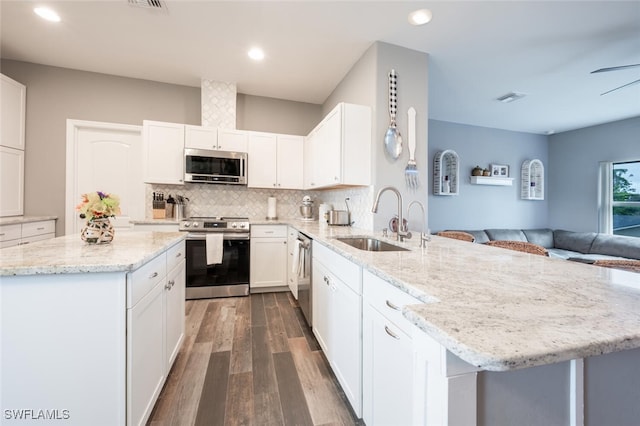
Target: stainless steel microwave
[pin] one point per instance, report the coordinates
(209, 166)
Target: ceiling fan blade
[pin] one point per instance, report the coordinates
(621, 67)
(625, 85)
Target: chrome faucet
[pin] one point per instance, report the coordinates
(402, 233)
(423, 236)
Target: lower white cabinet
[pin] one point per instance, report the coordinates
(337, 318)
(155, 329)
(268, 256)
(387, 354)
(24, 233)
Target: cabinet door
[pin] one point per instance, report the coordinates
(262, 160)
(232, 140)
(289, 162)
(145, 355)
(198, 137)
(387, 392)
(330, 156)
(11, 181)
(268, 262)
(346, 340)
(292, 277)
(174, 302)
(12, 113)
(163, 151)
(321, 300)
(309, 161)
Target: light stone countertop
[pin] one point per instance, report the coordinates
(12, 220)
(499, 309)
(71, 255)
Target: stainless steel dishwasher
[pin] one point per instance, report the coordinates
(304, 279)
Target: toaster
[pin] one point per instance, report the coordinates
(339, 217)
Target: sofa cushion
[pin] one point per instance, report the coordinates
(574, 241)
(563, 254)
(506, 235)
(616, 245)
(541, 237)
(480, 236)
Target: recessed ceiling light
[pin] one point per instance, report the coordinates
(510, 97)
(420, 17)
(46, 13)
(256, 54)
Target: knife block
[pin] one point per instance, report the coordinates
(159, 209)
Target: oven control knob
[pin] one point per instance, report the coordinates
(234, 225)
(242, 225)
(195, 224)
(186, 224)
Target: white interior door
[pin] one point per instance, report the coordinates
(104, 157)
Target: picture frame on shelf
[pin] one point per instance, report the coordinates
(499, 170)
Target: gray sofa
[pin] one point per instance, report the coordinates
(581, 246)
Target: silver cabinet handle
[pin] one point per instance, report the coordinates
(178, 254)
(167, 286)
(391, 333)
(392, 306)
(155, 274)
(41, 228)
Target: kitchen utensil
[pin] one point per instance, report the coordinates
(411, 171)
(339, 217)
(392, 138)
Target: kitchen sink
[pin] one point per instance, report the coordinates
(370, 244)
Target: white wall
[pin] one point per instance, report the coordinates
(573, 170)
(479, 206)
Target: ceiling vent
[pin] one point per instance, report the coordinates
(510, 97)
(147, 4)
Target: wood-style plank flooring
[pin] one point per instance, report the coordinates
(250, 361)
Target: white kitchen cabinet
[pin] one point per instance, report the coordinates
(233, 140)
(275, 161)
(11, 181)
(155, 328)
(25, 233)
(163, 152)
(174, 303)
(337, 318)
(268, 257)
(12, 112)
(292, 276)
(199, 137)
(387, 392)
(338, 150)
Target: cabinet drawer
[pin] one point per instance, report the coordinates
(38, 228)
(271, 231)
(10, 232)
(175, 255)
(34, 238)
(143, 279)
(342, 268)
(387, 299)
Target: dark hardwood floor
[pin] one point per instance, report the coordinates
(250, 361)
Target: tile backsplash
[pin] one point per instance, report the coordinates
(230, 200)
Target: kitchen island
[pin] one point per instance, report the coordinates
(504, 337)
(89, 332)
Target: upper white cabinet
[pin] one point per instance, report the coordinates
(12, 112)
(12, 122)
(338, 150)
(11, 181)
(163, 151)
(198, 137)
(275, 161)
(232, 140)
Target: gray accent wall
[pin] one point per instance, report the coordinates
(481, 206)
(573, 170)
(263, 114)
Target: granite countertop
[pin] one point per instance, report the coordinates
(13, 220)
(499, 309)
(70, 255)
(155, 222)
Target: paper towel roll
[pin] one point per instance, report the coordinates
(271, 208)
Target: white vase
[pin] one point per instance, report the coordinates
(98, 231)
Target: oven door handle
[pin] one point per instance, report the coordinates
(226, 237)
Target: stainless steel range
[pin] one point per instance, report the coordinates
(229, 278)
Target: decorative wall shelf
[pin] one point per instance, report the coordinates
(446, 165)
(532, 185)
(490, 180)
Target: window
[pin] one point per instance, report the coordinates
(625, 198)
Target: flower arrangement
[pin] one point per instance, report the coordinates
(98, 205)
